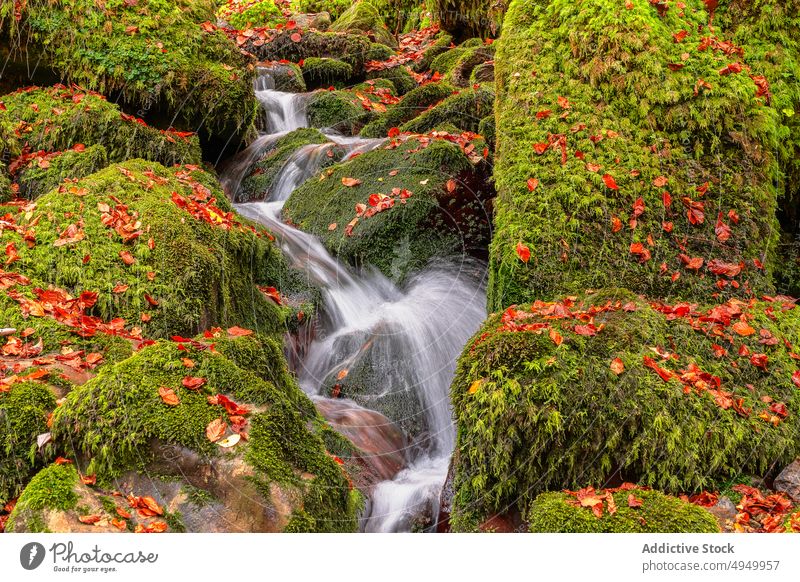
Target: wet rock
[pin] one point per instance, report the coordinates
(789, 481)
(725, 512)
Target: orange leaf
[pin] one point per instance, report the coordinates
(610, 182)
(127, 258)
(633, 502)
(237, 331)
(350, 182)
(193, 383)
(215, 429)
(168, 396)
(523, 252)
(617, 366)
(89, 519)
(742, 328)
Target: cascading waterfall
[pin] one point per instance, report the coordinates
(414, 333)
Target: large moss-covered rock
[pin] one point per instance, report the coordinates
(262, 175)
(618, 113)
(441, 45)
(658, 513)
(364, 17)
(400, 77)
(23, 416)
(469, 17)
(326, 72)
(50, 490)
(556, 395)
(425, 218)
(59, 118)
(410, 106)
(155, 55)
(119, 421)
(155, 247)
(340, 111)
(464, 110)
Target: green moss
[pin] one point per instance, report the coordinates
(288, 77)
(338, 110)
(58, 118)
(203, 274)
(533, 416)
(461, 71)
(166, 62)
(364, 17)
(242, 14)
(403, 238)
(23, 416)
(5, 184)
(325, 72)
(413, 104)
(399, 76)
(52, 488)
(468, 17)
(379, 52)
(465, 110)
(35, 180)
(442, 44)
(659, 513)
(446, 61)
(333, 7)
(487, 130)
(612, 67)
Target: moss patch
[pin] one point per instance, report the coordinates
(412, 104)
(23, 416)
(58, 118)
(52, 488)
(364, 17)
(464, 110)
(338, 110)
(659, 513)
(38, 178)
(325, 72)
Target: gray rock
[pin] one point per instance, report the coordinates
(725, 512)
(789, 481)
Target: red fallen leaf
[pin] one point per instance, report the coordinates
(350, 182)
(779, 408)
(555, 337)
(523, 252)
(394, 132)
(90, 519)
(533, 183)
(665, 375)
(640, 251)
(638, 207)
(588, 330)
(149, 504)
(127, 258)
(660, 182)
(272, 293)
(616, 224)
(237, 331)
(150, 300)
(123, 513)
(796, 378)
(86, 259)
(540, 148)
(742, 328)
(192, 382)
(719, 351)
(544, 114)
(617, 366)
(691, 263)
(88, 479)
(168, 396)
(743, 350)
(62, 461)
(215, 429)
(609, 182)
(680, 35)
(119, 288)
(722, 230)
(296, 37)
(759, 361)
(593, 167)
(451, 186)
(721, 268)
(705, 499)
(731, 69)
(633, 501)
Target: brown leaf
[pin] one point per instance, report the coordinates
(168, 396)
(215, 429)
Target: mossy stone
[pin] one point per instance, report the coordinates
(326, 72)
(412, 105)
(464, 110)
(364, 17)
(52, 488)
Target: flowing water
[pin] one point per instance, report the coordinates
(410, 336)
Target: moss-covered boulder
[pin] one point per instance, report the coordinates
(464, 110)
(648, 145)
(24, 410)
(400, 77)
(410, 106)
(635, 510)
(398, 206)
(158, 248)
(364, 17)
(50, 490)
(326, 72)
(340, 111)
(157, 56)
(333, 7)
(60, 118)
(121, 419)
(44, 172)
(461, 72)
(261, 177)
(284, 77)
(554, 395)
(441, 45)
(349, 48)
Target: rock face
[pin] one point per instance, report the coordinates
(789, 481)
